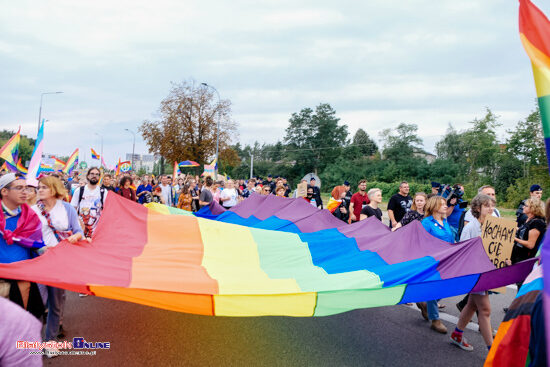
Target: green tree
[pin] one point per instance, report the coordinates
(314, 138)
(364, 143)
(401, 143)
(187, 128)
(526, 142)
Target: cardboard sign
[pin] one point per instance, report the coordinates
(498, 236)
(301, 190)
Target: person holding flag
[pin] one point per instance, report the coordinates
(20, 235)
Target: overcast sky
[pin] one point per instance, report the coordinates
(378, 63)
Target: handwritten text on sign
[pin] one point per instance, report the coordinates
(498, 236)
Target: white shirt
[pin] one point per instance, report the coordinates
(167, 194)
(59, 218)
(90, 207)
(232, 195)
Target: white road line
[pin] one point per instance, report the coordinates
(512, 286)
(450, 318)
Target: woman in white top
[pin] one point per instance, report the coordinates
(482, 206)
(229, 195)
(59, 222)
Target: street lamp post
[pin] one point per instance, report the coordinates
(101, 153)
(217, 131)
(133, 147)
(40, 110)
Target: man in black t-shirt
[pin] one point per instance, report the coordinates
(205, 197)
(348, 196)
(399, 204)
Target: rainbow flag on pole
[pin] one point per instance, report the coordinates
(58, 164)
(117, 168)
(9, 151)
(534, 31)
(176, 171)
(94, 154)
(71, 162)
(511, 346)
(21, 168)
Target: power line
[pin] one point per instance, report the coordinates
(302, 149)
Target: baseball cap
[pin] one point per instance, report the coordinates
(435, 184)
(8, 179)
(346, 183)
(535, 187)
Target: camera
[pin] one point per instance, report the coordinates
(452, 192)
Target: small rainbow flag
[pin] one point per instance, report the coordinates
(10, 150)
(125, 166)
(58, 164)
(71, 162)
(94, 154)
(44, 167)
(21, 168)
(176, 171)
(117, 168)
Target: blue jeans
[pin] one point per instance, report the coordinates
(433, 310)
(56, 303)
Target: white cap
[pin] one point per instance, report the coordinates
(7, 179)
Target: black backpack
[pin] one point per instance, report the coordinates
(81, 194)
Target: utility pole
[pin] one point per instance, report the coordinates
(251, 165)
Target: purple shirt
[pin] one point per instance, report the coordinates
(18, 324)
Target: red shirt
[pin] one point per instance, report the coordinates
(359, 201)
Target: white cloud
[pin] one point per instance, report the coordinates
(377, 63)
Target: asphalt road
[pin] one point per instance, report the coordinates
(387, 336)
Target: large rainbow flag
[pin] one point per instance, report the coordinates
(266, 256)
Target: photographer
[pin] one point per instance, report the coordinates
(455, 210)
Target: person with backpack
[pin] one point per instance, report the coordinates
(88, 200)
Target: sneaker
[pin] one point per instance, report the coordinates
(423, 309)
(438, 326)
(493, 330)
(61, 333)
(460, 341)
